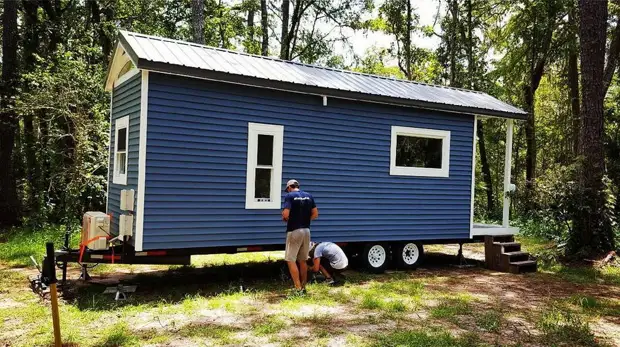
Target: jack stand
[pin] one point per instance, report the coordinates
(461, 258)
(85, 276)
(120, 291)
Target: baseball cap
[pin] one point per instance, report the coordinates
(290, 183)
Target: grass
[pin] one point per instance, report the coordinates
(425, 339)
(490, 321)
(184, 305)
(221, 334)
(563, 328)
(450, 307)
(269, 325)
(21, 243)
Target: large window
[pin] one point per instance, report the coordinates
(264, 172)
(121, 143)
(420, 152)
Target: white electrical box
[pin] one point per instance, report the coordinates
(125, 225)
(127, 199)
(95, 230)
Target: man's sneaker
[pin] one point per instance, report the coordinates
(296, 293)
(330, 281)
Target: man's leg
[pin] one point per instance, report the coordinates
(302, 256)
(290, 255)
(303, 273)
(292, 268)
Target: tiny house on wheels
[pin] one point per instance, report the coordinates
(203, 140)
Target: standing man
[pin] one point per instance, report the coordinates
(299, 209)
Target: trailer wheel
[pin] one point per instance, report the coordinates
(408, 255)
(375, 257)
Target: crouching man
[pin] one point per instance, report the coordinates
(329, 258)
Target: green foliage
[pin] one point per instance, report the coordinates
(19, 244)
(65, 91)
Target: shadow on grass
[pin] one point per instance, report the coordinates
(178, 283)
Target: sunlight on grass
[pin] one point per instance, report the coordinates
(118, 335)
(452, 306)
(21, 243)
(269, 325)
(238, 258)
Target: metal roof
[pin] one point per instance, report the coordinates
(190, 59)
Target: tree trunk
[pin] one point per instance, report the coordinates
(486, 169)
(264, 24)
(10, 209)
(453, 39)
(29, 141)
(530, 143)
(593, 233)
(251, 13)
(408, 42)
(198, 21)
(104, 40)
(284, 52)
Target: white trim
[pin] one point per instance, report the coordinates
(119, 59)
(126, 77)
(473, 177)
(507, 173)
(321, 95)
(494, 231)
(444, 171)
(277, 131)
(144, 102)
(121, 123)
(107, 190)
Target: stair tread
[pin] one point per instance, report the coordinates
(516, 253)
(507, 243)
(524, 262)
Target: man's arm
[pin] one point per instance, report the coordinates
(285, 214)
(286, 209)
(315, 213)
(316, 264)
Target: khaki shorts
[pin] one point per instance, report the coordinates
(297, 245)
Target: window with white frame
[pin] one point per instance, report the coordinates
(264, 171)
(121, 143)
(420, 152)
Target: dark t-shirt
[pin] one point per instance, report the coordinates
(300, 205)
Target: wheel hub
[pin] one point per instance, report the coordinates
(410, 254)
(376, 256)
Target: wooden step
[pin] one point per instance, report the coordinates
(523, 266)
(509, 246)
(517, 256)
(503, 238)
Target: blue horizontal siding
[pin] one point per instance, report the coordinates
(125, 102)
(197, 154)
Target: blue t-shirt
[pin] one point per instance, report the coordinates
(300, 205)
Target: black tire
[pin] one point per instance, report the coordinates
(375, 257)
(408, 255)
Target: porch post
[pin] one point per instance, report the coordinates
(507, 173)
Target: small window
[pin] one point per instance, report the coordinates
(420, 152)
(264, 172)
(121, 142)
